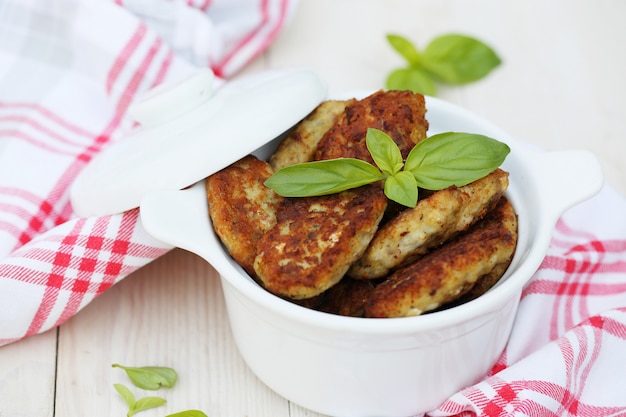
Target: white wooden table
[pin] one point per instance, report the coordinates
(562, 85)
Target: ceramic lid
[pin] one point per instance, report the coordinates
(188, 131)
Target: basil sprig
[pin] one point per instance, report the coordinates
(449, 59)
(438, 162)
(323, 177)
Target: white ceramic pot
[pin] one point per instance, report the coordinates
(343, 366)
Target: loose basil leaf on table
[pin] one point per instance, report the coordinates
(141, 404)
(146, 403)
(414, 79)
(405, 48)
(449, 59)
(459, 59)
(150, 377)
(126, 394)
(188, 413)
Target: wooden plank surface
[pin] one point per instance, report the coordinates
(170, 313)
(27, 376)
(561, 86)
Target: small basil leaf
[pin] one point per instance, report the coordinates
(322, 177)
(146, 403)
(454, 158)
(459, 59)
(404, 47)
(413, 79)
(126, 394)
(402, 188)
(384, 151)
(188, 413)
(150, 377)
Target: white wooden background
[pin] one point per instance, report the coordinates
(562, 85)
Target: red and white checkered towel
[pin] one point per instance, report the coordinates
(68, 71)
(567, 352)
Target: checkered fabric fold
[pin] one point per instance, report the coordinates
(567, 353)
(68, 71)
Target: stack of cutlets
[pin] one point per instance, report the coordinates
(353, 253)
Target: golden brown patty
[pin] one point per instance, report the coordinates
(316, 239)
(449, 271)
(300, 145)
(241, 207)
(434, 219)
(400, 114)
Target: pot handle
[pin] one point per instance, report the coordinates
(564, 179)
(164, 216)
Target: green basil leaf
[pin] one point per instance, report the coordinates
(188, 413)
(404, 47)
(413, 79)
(126, 394)
(454, 158)
(459, 59)
(146, 403)
(323, 177)
(402, 188)
(150, 377)
(384, 151)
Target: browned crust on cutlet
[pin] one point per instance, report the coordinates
(242, 209)
(347, 298)
(484, 284)
(449, 271)
(301, 143)
(316, 239)
(400, 114)
(434, 220)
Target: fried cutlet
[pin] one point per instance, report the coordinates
(435, 219)
(242, 208)
(316, 239)
(400, 114)
(301, 143)
(449, 271)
